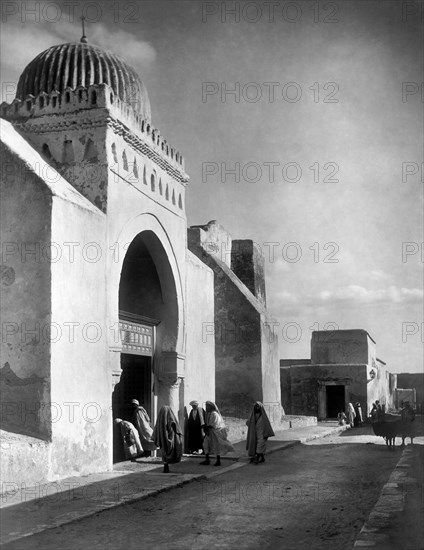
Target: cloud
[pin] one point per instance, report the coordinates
(136, 52)
(276, 268)
(21, 43)
(344, 298)
(285, 297)
(359, 295)
(378, 274)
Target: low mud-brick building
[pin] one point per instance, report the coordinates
(102, 300)
(343, 368)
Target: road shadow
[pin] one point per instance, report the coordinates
(363, 430)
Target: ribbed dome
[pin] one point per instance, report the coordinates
(80, 64)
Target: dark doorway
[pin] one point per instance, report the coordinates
(148, 322)
(135, 383)
(335, 400)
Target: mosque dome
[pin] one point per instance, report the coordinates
(81, 64)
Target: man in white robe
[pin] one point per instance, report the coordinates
(216, 441)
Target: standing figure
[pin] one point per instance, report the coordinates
(358, 415)
(373, 413)
(407, 419)
(141, 421)
(195, 422)
(215, 441)
(351, 414)
(130, 438)
(341, 417)
(168, 436)
(259, 429)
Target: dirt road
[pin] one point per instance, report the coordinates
(313, 496)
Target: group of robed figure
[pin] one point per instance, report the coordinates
(206, 434)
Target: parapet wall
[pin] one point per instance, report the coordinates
(248, 264)
(340, 346)
(213, 238)
(83, 99)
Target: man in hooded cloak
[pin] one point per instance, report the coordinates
(168, 436)
(259, 429)
(130, 438)
(351, 414)
(195, 422)
(141, 421)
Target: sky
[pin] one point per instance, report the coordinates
(301, 125)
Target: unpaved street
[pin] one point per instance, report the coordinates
(312, 496)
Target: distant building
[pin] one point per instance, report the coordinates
(403, 395)
(343, 369)
(412, 381)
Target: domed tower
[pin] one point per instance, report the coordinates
(81, 65)
(101, 192)
(70, 100)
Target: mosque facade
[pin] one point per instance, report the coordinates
(107, 295)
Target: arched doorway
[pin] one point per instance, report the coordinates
(148, 320)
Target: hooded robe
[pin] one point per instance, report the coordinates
(168, 436)
(195, 433)
(141, 421)
(351, 414)
(259, 429)
(358, 412)
(130, 439)
(407, 419)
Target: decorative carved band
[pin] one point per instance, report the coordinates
(116, 126)
(121, 130)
